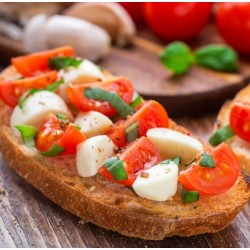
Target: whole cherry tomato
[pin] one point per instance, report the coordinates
(232, 21)
(177, 21)
(134, 9)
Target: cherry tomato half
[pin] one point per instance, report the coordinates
(240, 120)
(56, 131)
(120, 85)
(232, 21)
(37, 63)
(11, 91)
(150, 114)
(211, 181)
(138, 155)
(177, 21)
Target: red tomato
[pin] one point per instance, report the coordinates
(211, 181)
(240, 120)
(10, 92)
(36, 63)
(149, 115)
(120, 85)
(134, 9)
(138, 155)
(55, 131)
(177, 21)
(232, 21)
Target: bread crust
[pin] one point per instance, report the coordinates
(115, 207)
(240, 147)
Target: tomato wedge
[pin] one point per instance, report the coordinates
(138, 155)
(149, 115)
(10, 92)
(37, 63)
(121, 86)
(61, 132)
(211, 181)
(240, 120)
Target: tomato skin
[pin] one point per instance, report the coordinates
(211, 181)
(53, 131)
(240, 120)
(134, 9)
(177, 21)
(232, 21)
(138, 155)
(122, 86)
(149, 115)
(11, 91)
(36, 63)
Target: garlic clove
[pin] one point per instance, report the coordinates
(33, 35)
(88, 40)
(110, 16)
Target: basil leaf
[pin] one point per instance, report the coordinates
(54, 86)
(54, 151)
(115, 167)
(28, 134)
(64, 62)
(132, 132)
(177, 57)
(114, 99)
(207, 161)
(136, 102)
(189, 196)
(221, 135)
(217, 57)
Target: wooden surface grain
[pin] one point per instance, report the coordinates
(28, 219)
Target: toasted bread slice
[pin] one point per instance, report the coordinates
(240, 147)
(113, 206)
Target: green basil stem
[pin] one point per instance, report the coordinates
(207, 161)
(221, 135)
(64, 62)
(114, 99)
(116, 168)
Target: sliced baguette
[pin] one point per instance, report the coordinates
(113, 206)
(240, 147)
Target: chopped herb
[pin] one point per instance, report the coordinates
(28, 134)
(207, 161)
(137, 100)
(64, 62)
(116, 168)
(132, 132)
(189, 196)
(221, 135)
(114, 99)
(176, 160)
(54, 151)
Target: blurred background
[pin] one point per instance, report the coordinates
(127, 39)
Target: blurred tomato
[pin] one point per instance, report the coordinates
(233, 23)
(177, 21)
(134, 9)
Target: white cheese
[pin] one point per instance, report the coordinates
(174, 144)
(93, 123)
(158, 183)
(86, 72)
(36, 108)
(92, 153)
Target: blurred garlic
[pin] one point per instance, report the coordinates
(110, 16)
(88, 40)
(10, 30)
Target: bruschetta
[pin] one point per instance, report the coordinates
(91, 144)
